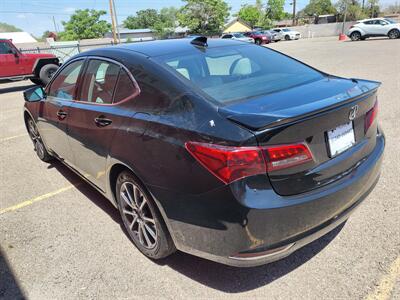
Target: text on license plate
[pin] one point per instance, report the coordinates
(341, 138)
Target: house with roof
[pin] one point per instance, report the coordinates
(237, 25)
(19, 37)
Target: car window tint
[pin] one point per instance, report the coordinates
(125, 87)
(99, 82)
(5, 48)
(368, 22)
(230, 74)
(63, 85)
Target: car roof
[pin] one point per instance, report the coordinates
(163, 47)
(370, 19)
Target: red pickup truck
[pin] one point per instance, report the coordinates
(15, 65)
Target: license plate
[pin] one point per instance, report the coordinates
(341, 138)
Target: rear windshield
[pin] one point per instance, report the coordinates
(233, 73)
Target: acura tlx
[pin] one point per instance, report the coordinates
(223, 149)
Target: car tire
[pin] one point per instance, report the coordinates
(287, 37)
(40, 148)
(258, 42)
(141, 218)
(355, 36)
(36, 81)
(46, 72)
(394, 34)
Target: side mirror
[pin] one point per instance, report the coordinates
(34, 94)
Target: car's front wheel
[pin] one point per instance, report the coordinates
(394, 34)
(40, 148)
(141, 218)
(355, 36)
(287, 37)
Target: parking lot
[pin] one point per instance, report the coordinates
(60, 239)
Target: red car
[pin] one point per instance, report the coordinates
(16, 65)
(259, 37)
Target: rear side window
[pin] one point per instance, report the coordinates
(63, 86)
(125, 87)
(5, 48)
(99, 82)
(234, 73)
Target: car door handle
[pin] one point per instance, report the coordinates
(102, 121)
(61, 114)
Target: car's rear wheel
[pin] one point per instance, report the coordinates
(40, 149)
(258, 41)
(46, 72)
(394, 34)
(355, 36)
(141, 218)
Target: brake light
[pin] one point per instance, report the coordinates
(232, 163)
(370, 117)
(285, 156)
(228, 163)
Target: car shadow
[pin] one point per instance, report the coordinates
(12, 89)
(218, 276)
(9, 287)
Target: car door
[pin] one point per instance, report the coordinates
(382, 27)
(54, 113)
(8, 61)
(97, 115)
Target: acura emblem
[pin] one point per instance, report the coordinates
(353, 112)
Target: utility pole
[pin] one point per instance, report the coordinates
(294, 13)
(55, 26)
(113, 21)
(116, 22)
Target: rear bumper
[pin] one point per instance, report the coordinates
(247, 224)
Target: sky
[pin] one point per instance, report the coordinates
(36, 16)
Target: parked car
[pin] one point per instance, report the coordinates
(237, 36)
(16, 65)
(288, 34)
(273, 35)
(374, 27)
(229, 151)
(258, 37)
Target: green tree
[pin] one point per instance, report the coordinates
(204, 16)
(319, 7)
(167, 22)
(85, 24)
(373, 8)
(275, 10)
(4, 27)
(145, 18)
(250, 14)
(354, 10)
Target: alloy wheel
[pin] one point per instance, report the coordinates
(33, 132)
(137, 214)
(394, 34)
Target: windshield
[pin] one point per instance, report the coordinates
(390, 21)
(238, 35)
(233, 73)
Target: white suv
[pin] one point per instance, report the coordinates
(374, 27)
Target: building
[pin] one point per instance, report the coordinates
(18, 37)
(134, 35)
(237, 25)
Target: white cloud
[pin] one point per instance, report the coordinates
(21, 16)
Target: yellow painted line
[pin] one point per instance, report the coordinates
(385, 287)
(34, 200)
(12, 137)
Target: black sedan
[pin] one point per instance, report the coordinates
(222, 149)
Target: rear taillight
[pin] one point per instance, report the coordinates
(232, 163)
(285, 156)
(370, 117)
(228, 163)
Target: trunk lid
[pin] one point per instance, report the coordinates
(305, 114)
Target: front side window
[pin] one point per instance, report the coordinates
(99, 82)
(124, 88)
(228, 74)
(64, 84)
(5, 48)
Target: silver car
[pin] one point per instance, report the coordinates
(237, 36)
(273, 35)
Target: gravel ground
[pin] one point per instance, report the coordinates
(60, 239)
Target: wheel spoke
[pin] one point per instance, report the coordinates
(136, 195)
(130, 196)
(146, 236)
(126, 200)
(127, 212)
(133, 222)
(140, 232)
(142, 204)
(150, 220)
(152, 233)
